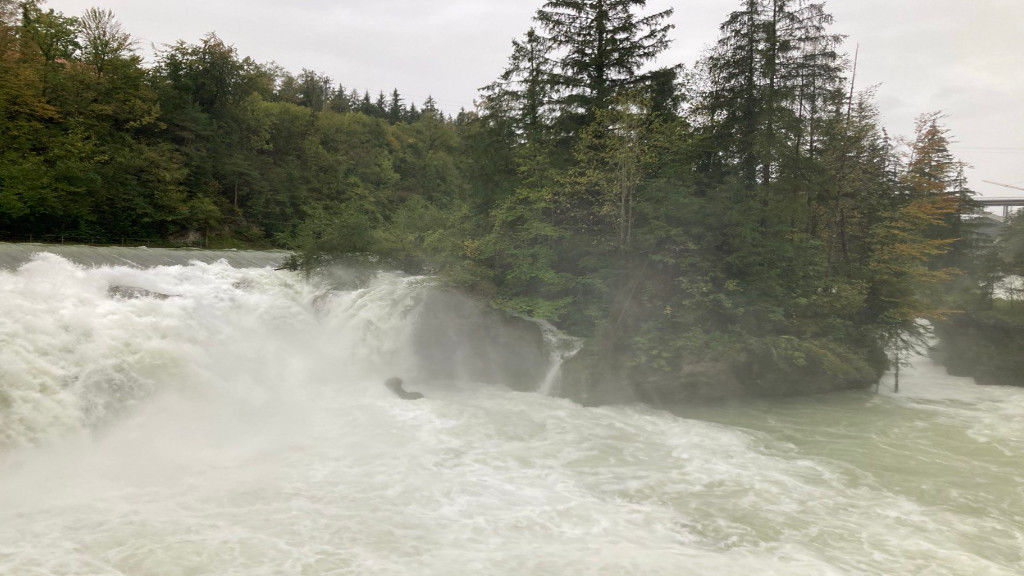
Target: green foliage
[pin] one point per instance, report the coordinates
(1011, 247)
(769, 236)
(54, 35)
(603, 45)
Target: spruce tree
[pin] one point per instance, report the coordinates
(934, 175)
(601, 47)
(522, 96)
(770, 80)
(315, 91)
(341, 102)
(396, 108)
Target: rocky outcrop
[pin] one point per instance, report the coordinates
(594, 378)
(131, 292)
(984, 346)
(609, 375)
(458, 338)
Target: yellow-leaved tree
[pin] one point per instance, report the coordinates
(911, 237)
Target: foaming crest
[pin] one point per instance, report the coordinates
(77, 355)
(990, 414)
(371, 328)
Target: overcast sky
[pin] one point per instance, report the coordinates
(964, 57)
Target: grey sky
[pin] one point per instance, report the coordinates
(964, 57)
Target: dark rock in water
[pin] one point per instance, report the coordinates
(131, 292)
(596, 378)
(395, 385)
(322, 301)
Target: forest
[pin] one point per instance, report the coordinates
(741, 224)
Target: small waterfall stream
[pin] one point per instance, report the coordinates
(562, 347)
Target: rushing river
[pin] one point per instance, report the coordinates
(216, 420)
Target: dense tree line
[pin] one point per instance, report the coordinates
(746, 222)
(202, 145)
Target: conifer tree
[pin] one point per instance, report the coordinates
(395, 112)
(772, 76)
(601, 47)
(366, 105)
(430, 108)
(934, 175)
(522, 95)
(315, 90)
(931, 167)
(341, 102)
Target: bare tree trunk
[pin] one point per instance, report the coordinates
(896, 384)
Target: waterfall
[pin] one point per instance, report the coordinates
(82, 347)
(562, 347)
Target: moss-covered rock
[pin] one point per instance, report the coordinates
(779, 366)
(988, 346)
(458, 338)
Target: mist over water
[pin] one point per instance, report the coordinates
(240, 426)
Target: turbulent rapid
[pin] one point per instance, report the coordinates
(198, 418)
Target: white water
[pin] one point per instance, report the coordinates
(240, 428)
(561, 347)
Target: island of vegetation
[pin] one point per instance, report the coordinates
(743, 225)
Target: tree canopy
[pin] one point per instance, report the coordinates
(750, 221)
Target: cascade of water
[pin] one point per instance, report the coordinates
(81, 347)
(562, 347)
(84, 347)
(76, 355)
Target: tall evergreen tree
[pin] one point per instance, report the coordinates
(521, 98)
(601, 47)
(934, 175)
(396, 109)
(931, 167)
(770, 79)
(315, 90)
(341, 102)
(366, 105)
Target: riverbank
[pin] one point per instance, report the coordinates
(984, 345)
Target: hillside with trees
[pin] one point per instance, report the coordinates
(741, 225)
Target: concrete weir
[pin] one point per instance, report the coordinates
(13, 256)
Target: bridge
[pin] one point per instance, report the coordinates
(1005, 202)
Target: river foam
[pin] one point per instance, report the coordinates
(239, 426)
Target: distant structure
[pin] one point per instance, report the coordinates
(1006, 202)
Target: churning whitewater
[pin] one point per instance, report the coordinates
(200, 419)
